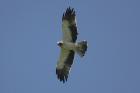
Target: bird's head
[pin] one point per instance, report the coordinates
(60, 43)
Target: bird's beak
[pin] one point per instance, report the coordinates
(58, 43)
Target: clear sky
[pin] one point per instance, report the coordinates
(29, 30)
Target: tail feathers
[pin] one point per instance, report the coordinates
(82, 48)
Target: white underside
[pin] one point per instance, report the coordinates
(72, 46)
(69, 46)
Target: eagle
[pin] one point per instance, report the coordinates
(69, 46)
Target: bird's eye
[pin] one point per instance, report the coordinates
(59, 44)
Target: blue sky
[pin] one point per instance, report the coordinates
(29, 30)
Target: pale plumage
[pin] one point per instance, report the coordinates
(69, 45)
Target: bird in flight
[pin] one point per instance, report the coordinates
(68, 45)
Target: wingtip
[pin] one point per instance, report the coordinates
(69, 13)
(61, 76)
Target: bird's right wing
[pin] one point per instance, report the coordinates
(64, 64)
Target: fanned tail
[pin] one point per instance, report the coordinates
(81, 48)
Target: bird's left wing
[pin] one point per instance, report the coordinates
(69, 27)
(64, 64)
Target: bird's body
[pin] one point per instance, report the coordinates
(68, 45)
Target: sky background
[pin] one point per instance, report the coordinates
(29, 30)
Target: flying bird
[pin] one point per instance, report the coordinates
(68, 45)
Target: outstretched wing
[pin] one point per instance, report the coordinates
(69, 27)
(64, 64)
